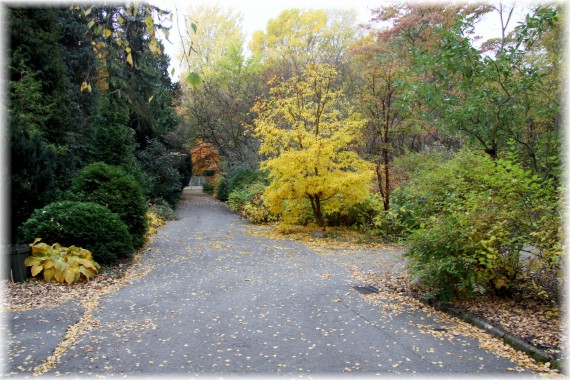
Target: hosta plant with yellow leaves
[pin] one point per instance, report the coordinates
(62, 264)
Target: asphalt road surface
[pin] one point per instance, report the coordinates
(221, 301)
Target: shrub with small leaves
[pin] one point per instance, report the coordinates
(396, 224)
(238, 198)
(248, 202)
(256, 212)
(62, 264)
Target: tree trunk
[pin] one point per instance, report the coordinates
(386, 179)
(316, 205)
(383, 177)
(492, 152)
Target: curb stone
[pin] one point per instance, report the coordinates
(498, 332)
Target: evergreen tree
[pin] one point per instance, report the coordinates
(113, 141)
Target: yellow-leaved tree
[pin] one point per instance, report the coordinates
(308, 133)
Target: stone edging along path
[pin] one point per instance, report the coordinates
(498, 332)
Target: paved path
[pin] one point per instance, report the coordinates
(221, 301)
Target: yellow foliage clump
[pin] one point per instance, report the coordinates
(308, 133)
(154, 223)
(62, 264)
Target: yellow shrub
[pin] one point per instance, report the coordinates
(154, 222)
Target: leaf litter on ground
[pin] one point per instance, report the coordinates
(526, 319)
(36, 293)
(534, 321)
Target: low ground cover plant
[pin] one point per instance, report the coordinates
(62, 264)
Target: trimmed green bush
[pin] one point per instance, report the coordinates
(83, 224)
(113, 188)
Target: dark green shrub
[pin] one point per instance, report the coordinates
(160, 165)
(83, 224)
(208, 188)
(183, 164)
(174, 142)
(113, 188)
(113, 141)
(33, 174)
(222, 192)
(33, 160)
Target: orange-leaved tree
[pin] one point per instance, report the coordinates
(308, 133)
(205, 157)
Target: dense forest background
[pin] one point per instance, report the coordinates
(80, 95)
